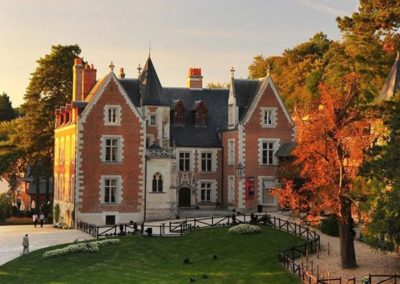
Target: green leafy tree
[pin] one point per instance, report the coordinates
(6, 110)
(29, 140)
(383, 177)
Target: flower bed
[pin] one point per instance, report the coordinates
(92, 246)
(245, 229)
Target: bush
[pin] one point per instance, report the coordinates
(92, 246)
(245, 229)
(330, 226)
(379, 244)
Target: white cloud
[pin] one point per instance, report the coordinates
(323, 8)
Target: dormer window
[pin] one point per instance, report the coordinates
(178, 114)
(200, 111)
(153, 119)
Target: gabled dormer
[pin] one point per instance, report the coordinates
(178, 113)
(199, 114)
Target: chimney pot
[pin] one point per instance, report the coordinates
(121, 73)
(195, 79)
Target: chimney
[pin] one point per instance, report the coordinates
(121, 73)
(77, 80)
(194, 79)
(88, 80)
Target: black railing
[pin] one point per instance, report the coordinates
(378, 279)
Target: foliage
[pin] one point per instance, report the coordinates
(297, 73)
(5, 206)
(6, 110)
(218, 85)
(241, 259)
(57, 212)
(330, 226)
(93, 246)
(245, 229)
(331, 141)
(383, 176)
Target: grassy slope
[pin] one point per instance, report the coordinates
(241, 259)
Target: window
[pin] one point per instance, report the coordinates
(267, 153)
(184, 161)
(153, 119)
(231, 189)
(200, 119)
(112, 115)
(111, 150)
(268, 117)
(110, 219)
(179, 118)
(110, 190)
(157, 183)
(268, 185)
(205, 191)
(206, 162)
(231, 152)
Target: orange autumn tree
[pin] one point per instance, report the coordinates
(331, 141)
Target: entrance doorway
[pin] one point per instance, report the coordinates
(184, 197)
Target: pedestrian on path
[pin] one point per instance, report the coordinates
(34, 219)
(41, 218)
(25, 245)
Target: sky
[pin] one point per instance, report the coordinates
(209, 34)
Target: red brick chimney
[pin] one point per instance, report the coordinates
(194, 79)
(77, 80)
(88, 80)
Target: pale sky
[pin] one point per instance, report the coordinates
(211, 34)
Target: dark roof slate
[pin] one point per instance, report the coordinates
(150, 86)
(285, 150)
(392, 83)
(245, 91)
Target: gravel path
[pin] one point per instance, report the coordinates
(368, 260)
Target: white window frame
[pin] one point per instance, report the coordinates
(231, 189)
(271, 114)
(159, 187)
(206, 187)
(112, 115)
(119, 148)
(231, 152)
(208, 158)
(152, 119)
(186, 161)
(263, 180)
(261, 149)
(118, 189)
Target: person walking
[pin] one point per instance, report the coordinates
(41, 219)
(25, 245)
(34, 219)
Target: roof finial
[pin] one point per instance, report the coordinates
(139, 70)
(149, 48)
(232, 72)
(111, 66)
(268, 70)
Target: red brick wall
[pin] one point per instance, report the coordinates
(254, 131)
(93, 168)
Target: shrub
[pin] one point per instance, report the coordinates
(92, 246)
(330, 226)
(245, 229)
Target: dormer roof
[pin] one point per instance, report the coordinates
(199, 106)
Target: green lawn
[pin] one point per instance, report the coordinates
(240, 259)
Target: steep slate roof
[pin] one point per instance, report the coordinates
(392, 83)
(245, 91)
(285, 150)
(150, 86)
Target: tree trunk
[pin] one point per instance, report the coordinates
(346, 234)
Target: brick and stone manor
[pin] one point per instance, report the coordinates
(129, 149)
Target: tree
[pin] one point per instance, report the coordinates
(29, 140)
(6, 110)
(330, 150)
(218, 85)
(383, 206)
(297, 73)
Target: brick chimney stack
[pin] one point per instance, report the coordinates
(77, 80)
(88, 79)
(194, 79)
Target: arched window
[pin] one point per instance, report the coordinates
(157, 183)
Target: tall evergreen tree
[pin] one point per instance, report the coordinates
(6, 110)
